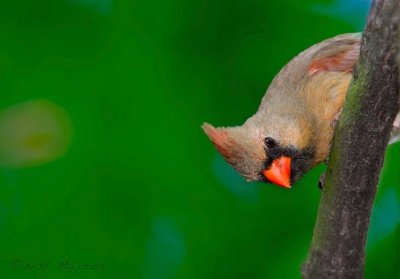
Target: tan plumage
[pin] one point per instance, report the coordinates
(297, 112)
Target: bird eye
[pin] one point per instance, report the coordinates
(270, 142)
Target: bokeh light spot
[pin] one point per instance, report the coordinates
(385, 217)
(33, 133)
(245, 191)
(165, 250)
(351, 11)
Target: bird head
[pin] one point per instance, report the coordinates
(260, 155)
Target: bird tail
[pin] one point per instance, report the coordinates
(395, 135)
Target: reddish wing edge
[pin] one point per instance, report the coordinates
(340, 62)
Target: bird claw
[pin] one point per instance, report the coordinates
(321, 182)
(396, 123)
(395, 133)
(336, 119)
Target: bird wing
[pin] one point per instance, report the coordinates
(338, 54)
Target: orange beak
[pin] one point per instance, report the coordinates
(279, 172)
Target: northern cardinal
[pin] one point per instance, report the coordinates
(292, 129)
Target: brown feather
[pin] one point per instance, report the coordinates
(220, 139)
(297, 109)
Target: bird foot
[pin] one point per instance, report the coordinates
(335, 119)
(396, 123)
(321, 182)
(395, 134)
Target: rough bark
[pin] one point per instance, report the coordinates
(361, 136)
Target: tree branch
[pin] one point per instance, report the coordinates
(338, 245)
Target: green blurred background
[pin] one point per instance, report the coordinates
(104, 170)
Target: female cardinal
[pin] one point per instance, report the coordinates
(292, 129)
